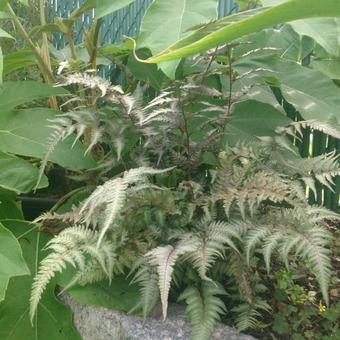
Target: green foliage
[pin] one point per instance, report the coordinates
(105, 7)
(18, 175)
(186, 174)
(71, 246)
(53, 319)
(300, 316)
(173, 20)
(204, 308)
(215, 35)
(9, 208)
(1, 65)
(13, 94)
(12, 262)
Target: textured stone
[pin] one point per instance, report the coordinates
(98, 323)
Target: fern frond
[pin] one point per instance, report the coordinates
(254, 237)
(146, 276)
(91, 82)
(71, 247)
(318, 214)
(269, 245)
(204, 308)
(111, 197)
(248, 314)
(210, 240)
(293, 231)
(312, 248)
(248, 187)
(56, 136)
(164, 259)
(295, 128)
(322, 168)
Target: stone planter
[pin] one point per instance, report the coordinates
(98, 323)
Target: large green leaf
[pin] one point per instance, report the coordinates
(11, 261)
(17, 60)
(26, 132)
(146, 72)
(325, 31)
(105, 7)
(330, 67)
(14, 93)
(18, 175)
(285, 12)
(313, 94)
(53, 320)
(165, 22)
(326, 63)
(251, 119)
(283, 41)
(9, 207)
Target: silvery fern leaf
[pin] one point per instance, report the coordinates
(71, 247)
(146, 276)
(210, 241)
(164, 259)
(295, 128)
(110, 198)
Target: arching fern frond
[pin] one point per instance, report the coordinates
(71, 247)
(245, 181)
(211, 239)
(146, 276)
(164, 259)
(109, 198)
(204, 308)
(294, 231)
(322, 168)
(295, 128)
(249, 314)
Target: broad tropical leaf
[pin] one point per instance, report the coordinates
(53, 320)
(251, 119)
(12, 262)
(285, 12)
(172, 19)
(9, 207)
(146, 72)
(25, 132)
(120, 294)
(314, 95)
(105, 7)
(17, 60)
(18, 175)
(325, 31)
(14, 93)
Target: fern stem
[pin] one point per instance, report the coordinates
(185, 131)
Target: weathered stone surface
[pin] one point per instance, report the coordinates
(98, 323)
